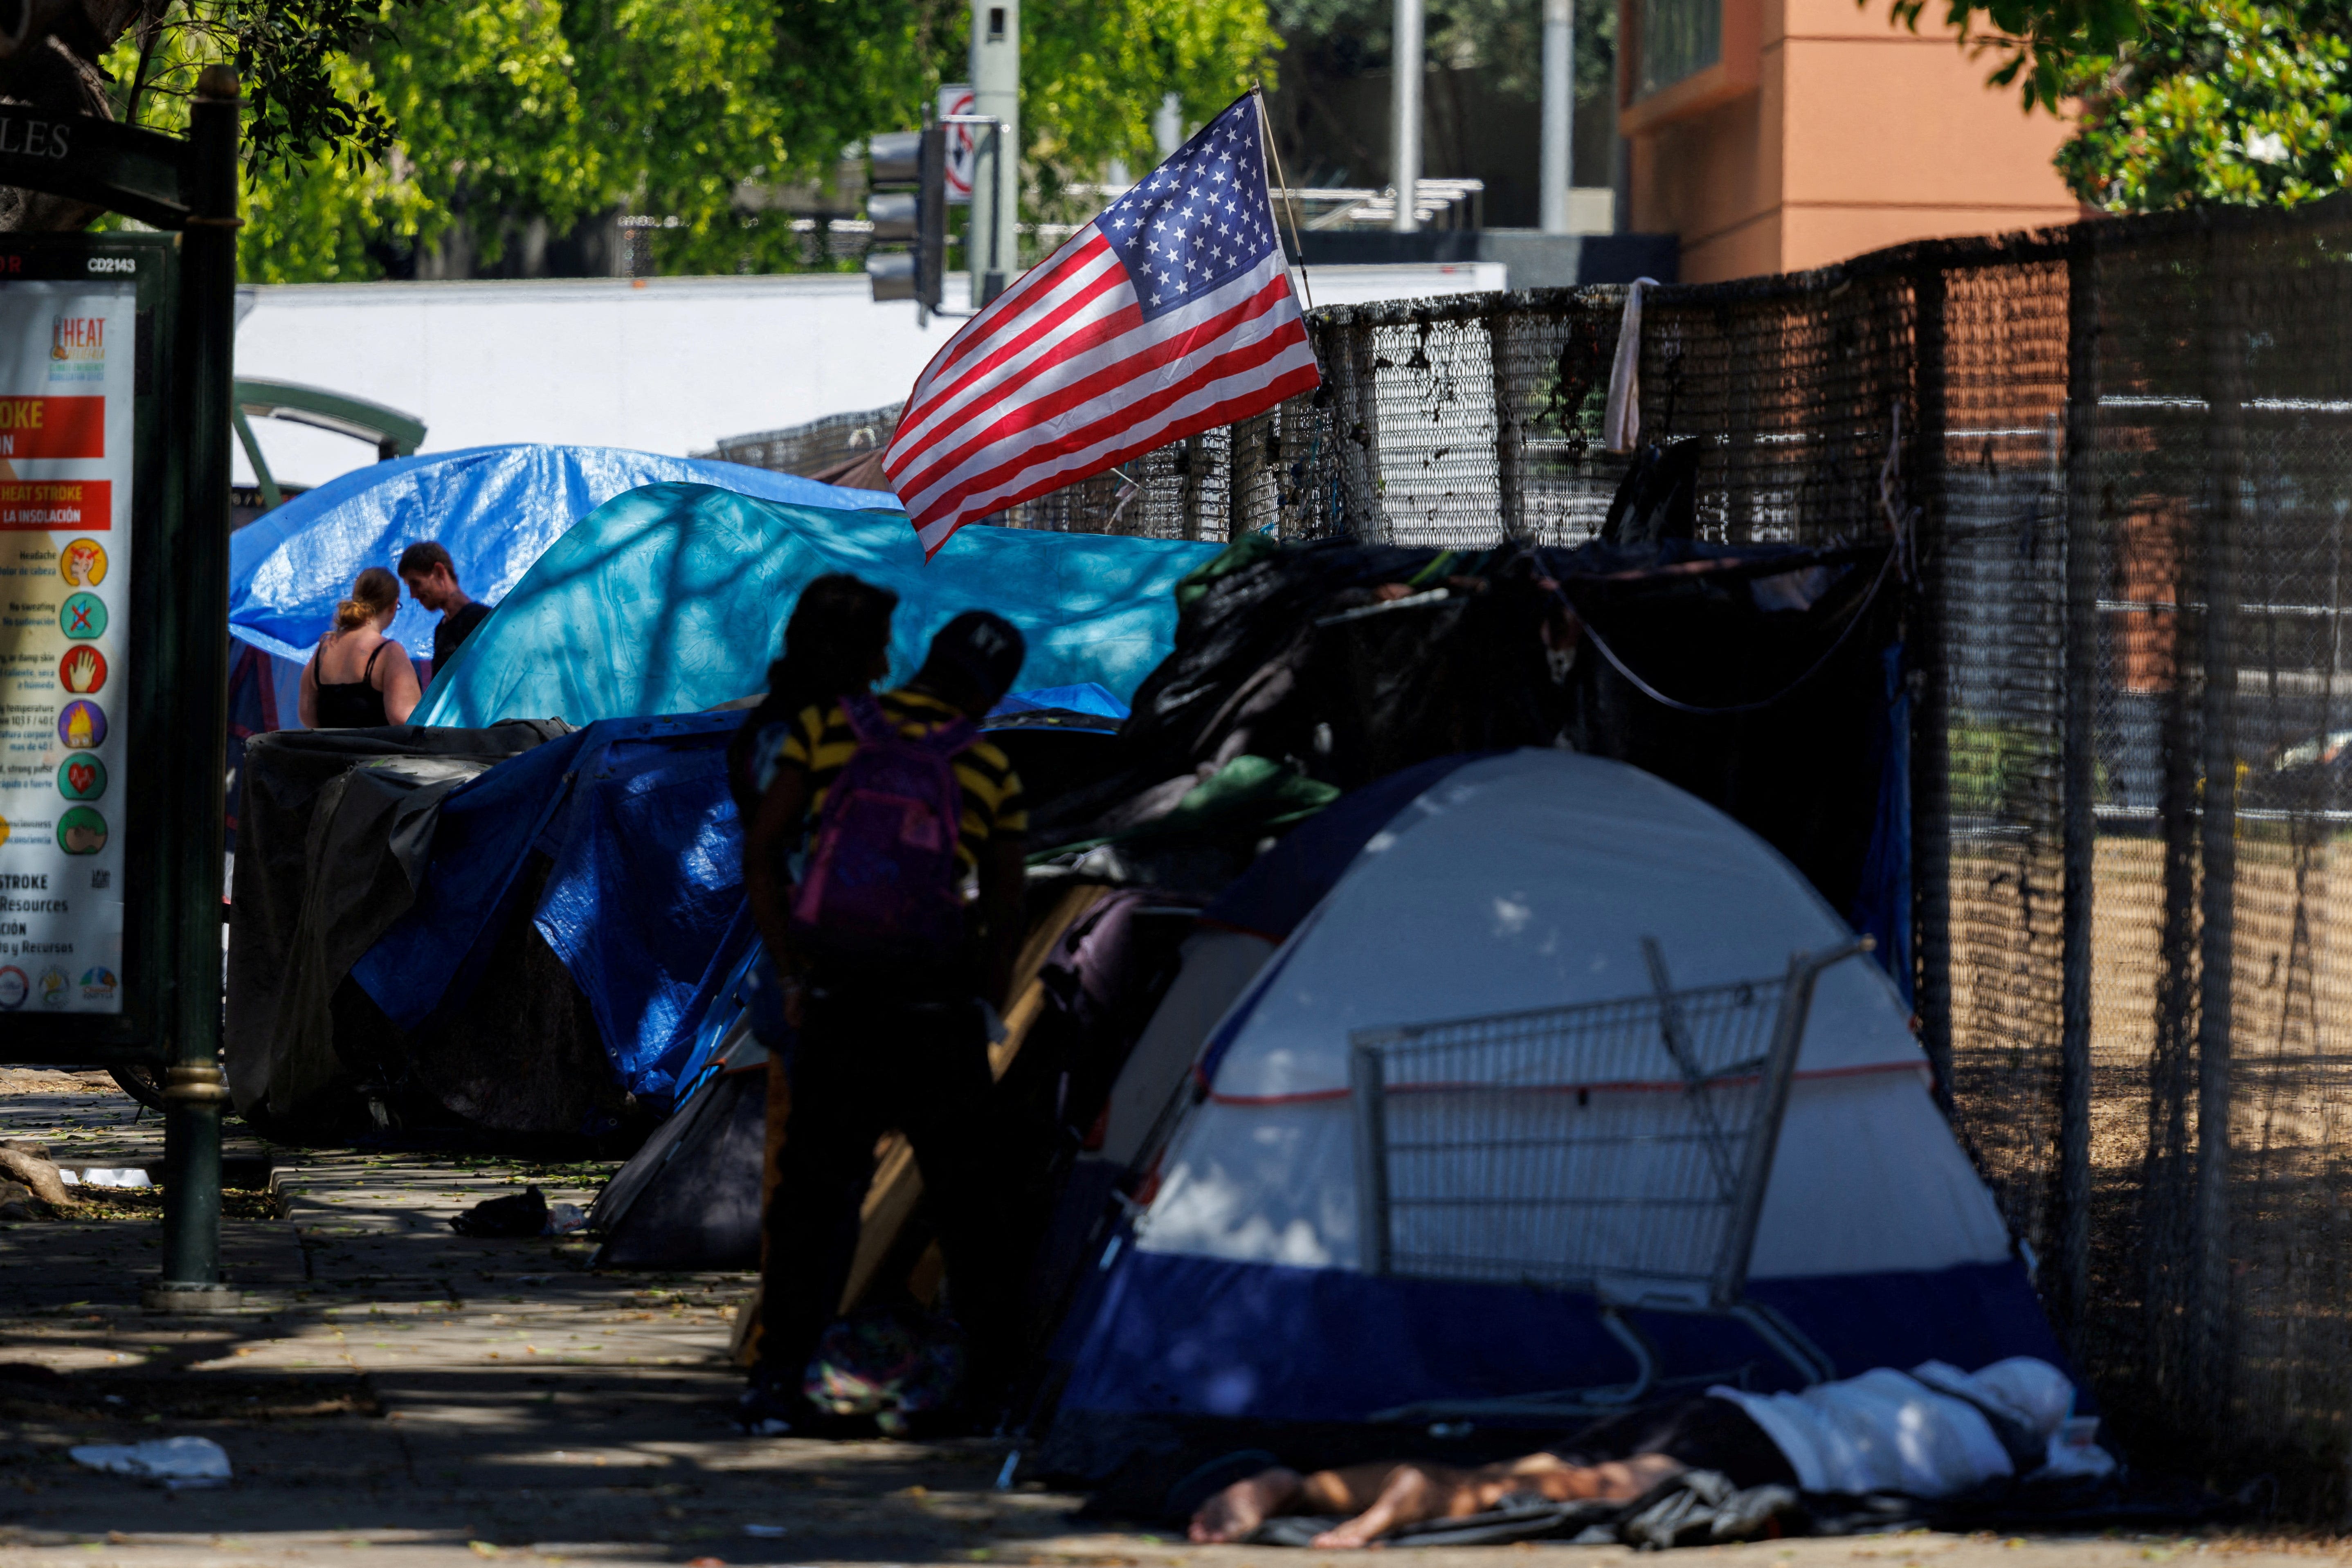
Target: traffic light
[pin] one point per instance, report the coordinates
(909, 203)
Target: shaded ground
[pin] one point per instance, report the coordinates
(389, 1386)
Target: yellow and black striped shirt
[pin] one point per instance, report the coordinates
(821, 744)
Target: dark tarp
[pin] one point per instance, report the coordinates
(690, 1197)
(520, 1054)
(612, 857)
(620, 850)
(333, 827)
(544, 947)
(1346, 662)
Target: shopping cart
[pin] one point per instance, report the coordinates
(1616, 1149)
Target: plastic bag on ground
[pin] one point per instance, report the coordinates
(178, 1462)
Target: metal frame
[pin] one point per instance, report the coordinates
(1724, 1292)
(995, 209)
(392, 432)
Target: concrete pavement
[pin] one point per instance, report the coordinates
(388, 1386)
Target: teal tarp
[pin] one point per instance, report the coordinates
(495, 508)
(673, 598)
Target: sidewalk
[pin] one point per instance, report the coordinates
(391, 1386)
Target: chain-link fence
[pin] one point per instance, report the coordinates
(819, 447)
(2122, 454)
(2118, 460)
(1178, 492)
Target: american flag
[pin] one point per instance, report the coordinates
(1169, 314)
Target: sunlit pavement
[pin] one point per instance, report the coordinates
(389, 1386)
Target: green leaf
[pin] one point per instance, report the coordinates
(2227, 102)
(376, 128)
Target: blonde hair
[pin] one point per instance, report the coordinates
(376, 592)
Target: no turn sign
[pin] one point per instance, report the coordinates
(957, 97)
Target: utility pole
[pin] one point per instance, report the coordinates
(1168, 126)
(993, 241)
(148, 945)
(195, 1091)
(1558, 167)
(1404, 115)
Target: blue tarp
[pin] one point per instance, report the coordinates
(646, 883)
(1882, 905)
(644, 896)
(1086, 697)
(673, 598)
(634, 817)
(495, 509)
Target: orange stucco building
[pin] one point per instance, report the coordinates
(1774, 135)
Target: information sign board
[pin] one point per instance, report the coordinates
(85, 553)
(114, 483)
(67, 555)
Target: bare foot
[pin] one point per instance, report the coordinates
(1242, 1506)
(1410, 1495)
(1354, 1533)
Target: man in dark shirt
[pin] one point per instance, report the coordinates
(432, 581)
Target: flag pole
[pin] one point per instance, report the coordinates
(1289, 199)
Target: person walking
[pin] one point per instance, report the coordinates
(432, 579)
(358, 678)
(890, 981)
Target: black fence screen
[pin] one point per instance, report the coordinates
(2120, 459)
(2117, 460)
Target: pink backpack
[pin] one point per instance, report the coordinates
(882, 880)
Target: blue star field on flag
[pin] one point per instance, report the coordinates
(1199, 218)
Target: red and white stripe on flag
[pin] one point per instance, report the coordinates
(1169, 315)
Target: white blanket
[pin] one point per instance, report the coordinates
(1891, 1432)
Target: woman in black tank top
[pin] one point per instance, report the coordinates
(378, 692)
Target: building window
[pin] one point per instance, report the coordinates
(1679, 38)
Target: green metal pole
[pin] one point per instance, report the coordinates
(193, 1088)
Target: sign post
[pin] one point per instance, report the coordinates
(992, 240)
(115, 364)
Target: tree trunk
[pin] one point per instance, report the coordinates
(55, 69)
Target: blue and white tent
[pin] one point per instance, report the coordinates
(1474, 885)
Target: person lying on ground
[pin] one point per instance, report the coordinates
(1932, 1432)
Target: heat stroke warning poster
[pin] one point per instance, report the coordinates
(67, 369)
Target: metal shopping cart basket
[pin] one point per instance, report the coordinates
(1616, 1149)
